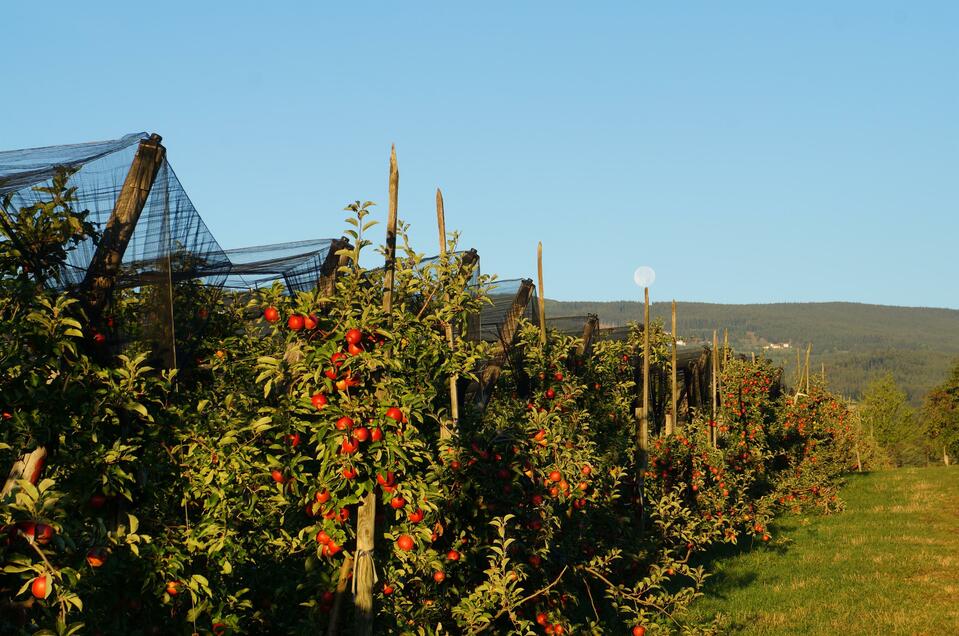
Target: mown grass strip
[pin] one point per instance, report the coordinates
(889, 564)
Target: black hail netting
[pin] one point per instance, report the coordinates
(568, 325)
(170, 241)
(170, 238)
(171, 260)
(493, 315)
(297, 265)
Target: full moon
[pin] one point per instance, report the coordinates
(644, 276)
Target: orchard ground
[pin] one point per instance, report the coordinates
(888, 564)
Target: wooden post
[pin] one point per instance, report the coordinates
(808, 351)
(725, 347)
(798, 371)
(27, 466)
(858, 437)
(585, 348)
(331, 265)
(483, 390)
(345, 569)
(715, 389)
(670, 426)
(542, 298)
(445, 432)
(102, 272)
(366, 516)
(644, 412)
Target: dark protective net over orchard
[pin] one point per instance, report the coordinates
(170, 241)
(168, 255)
(502, 296)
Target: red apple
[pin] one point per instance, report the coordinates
(39, 587)
(405, 542)
(319, 400)
(271, 314)
(96, 557)
(295, 322)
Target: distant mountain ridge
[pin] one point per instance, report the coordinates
(855, 341)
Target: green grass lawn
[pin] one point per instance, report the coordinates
(888, 564)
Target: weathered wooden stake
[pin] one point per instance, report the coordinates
(671, 424)
(331, 265)
(366, 517)
(27, 466)
(798, 371)
(643, 435)
(725, 347)
(102, 272)
(585, 347)
(342, 583)
(808, 351)
(482, 390)
(715, 389)
(445, 432)
(542, 298)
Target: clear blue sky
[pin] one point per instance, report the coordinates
(748, 151)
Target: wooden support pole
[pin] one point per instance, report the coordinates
(331, 265)
(366, 516)
(798, 371)
(725, 347)
(542, 298)
(643, 433)
(445, 432)
(808, 352)
(100, 280)
(483, 390)
(672, 422)
(715, 389)
(585, 347)
(28, 466)
(342, 583)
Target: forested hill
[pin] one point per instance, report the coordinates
(855, 341)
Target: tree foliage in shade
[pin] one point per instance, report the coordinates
(940, 417)
(888, 418)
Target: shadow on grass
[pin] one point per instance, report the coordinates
(720, 582)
